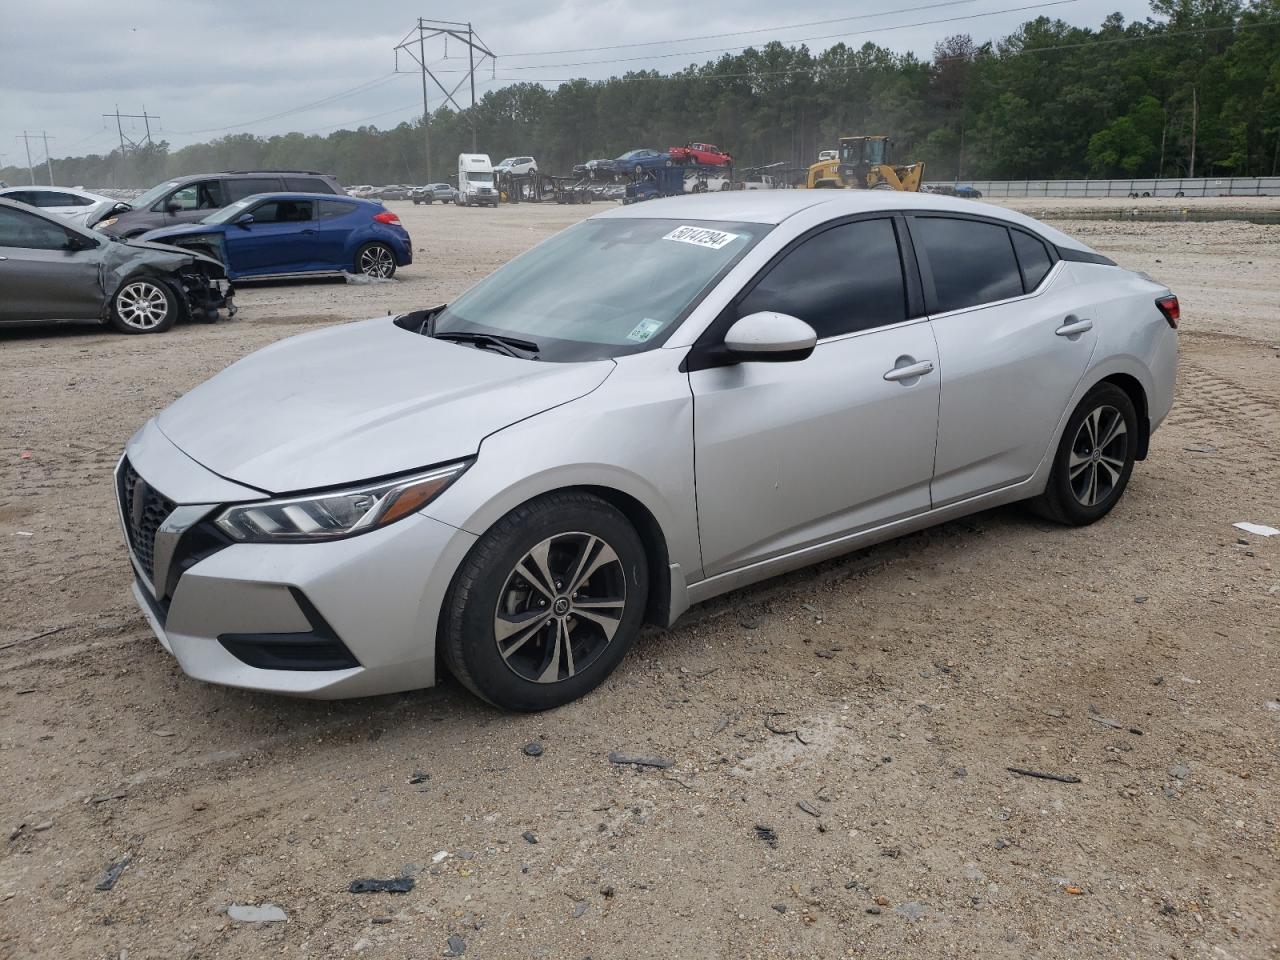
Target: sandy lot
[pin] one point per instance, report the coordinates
(913, 675)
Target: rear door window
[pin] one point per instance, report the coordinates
(1033, 258)
(838, 281)
(972, 261)
(240, 187)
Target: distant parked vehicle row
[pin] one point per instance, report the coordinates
(297, 235)
(191, 198)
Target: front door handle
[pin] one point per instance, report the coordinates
(1073, 327)
(910, 371)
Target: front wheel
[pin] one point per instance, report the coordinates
(376, 260)
(144, 305)
(547, 603)
(1094, 460)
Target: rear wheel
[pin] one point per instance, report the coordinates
(144, 305)
(547, 603)
(376, 260)
(1094, 460)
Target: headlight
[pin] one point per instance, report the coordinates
(338, 513)
(105, 223)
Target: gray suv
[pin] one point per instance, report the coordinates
(192, 198)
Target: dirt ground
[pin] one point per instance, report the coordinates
(1139, 655)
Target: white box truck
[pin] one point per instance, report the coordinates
(475, 180)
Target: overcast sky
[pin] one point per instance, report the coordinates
(210, 68)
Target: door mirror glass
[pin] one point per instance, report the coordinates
(771, 337)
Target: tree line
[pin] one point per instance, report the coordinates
(1193, 90)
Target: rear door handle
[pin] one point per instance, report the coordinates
(910, 372)
(1073, 327)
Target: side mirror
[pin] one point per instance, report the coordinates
(244, 220)
(172, 207)
(120, 207)
(771, 338)
(76, 243)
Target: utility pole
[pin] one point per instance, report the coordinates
(471, 72)
(47, 159)
(426, 110)
(415, 48)
(30, 169)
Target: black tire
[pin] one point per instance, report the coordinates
(376, 260)
(489, 578)
(143, 304)
(1068, 498)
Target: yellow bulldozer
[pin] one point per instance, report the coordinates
(864, 163)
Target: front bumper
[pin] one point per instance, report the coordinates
(345, 618)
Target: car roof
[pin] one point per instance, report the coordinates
(775, 206)
(294, 195)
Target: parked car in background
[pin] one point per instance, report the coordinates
(516, 166)
(297, 234)
(704, 154)
(638, 161)
(361, 191)
(188, 199)
(397, 191)
(71, 203)
(641, 413)
(52, 269)
(434, 192)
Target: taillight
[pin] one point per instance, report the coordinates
(388, 217)
(1169, 307)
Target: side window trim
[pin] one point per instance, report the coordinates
(926, 272)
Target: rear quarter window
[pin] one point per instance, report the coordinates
(307, 185)
(241, 187)
(332, 209)
(972, 261)
(1033, 258)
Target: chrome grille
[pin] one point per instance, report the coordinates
(143, 510)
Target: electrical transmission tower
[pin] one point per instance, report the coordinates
(414, 45)
(146, 119)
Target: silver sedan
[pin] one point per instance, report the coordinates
(665, 402)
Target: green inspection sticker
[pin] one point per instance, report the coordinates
(643, 330)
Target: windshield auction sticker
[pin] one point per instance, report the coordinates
(702, 237)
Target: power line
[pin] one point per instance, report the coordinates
(829, 36)
(302, 108)
(738, 33)
(1158, 35)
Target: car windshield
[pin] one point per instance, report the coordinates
(154, 194)
(603, 288)
(479, 177)
(228, 213)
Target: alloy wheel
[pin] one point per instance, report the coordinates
(377, 262)
(1099, 453)
(560, 607)
(142, 305)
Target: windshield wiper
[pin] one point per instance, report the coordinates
(507, 345)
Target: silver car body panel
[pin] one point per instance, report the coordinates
(745, 471)
(366, 393)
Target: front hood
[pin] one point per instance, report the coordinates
(157, 237)
(360, 401)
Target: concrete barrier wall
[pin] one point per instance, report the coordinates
(1166, 187)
